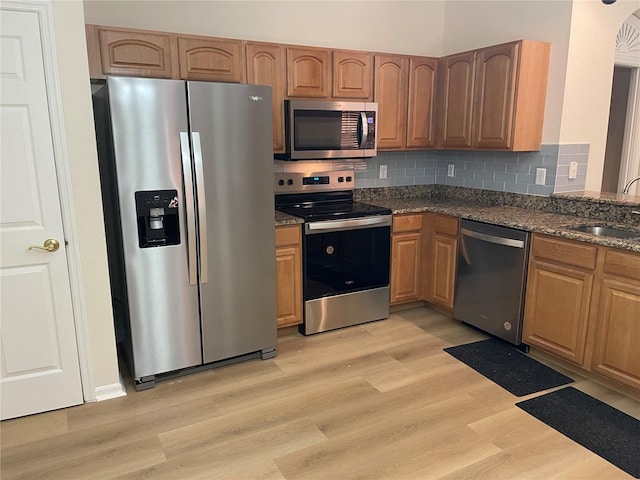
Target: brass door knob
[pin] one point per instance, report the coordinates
(49, 245)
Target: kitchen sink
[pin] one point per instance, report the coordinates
(606, 231)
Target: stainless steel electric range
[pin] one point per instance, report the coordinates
(345, 248)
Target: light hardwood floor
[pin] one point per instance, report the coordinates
(375, 401)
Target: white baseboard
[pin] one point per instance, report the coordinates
(107, 392)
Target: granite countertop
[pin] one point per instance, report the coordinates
(515, 217)
(554, 215)
(286, 219)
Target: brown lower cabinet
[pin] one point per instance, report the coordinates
(423, 258)
(439, 259)
(583, 305)
(406, 246)
(288, 275)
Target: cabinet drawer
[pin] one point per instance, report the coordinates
(564, 251)
(445, 225)
(407, 223)
(622, 264)
(287, 235)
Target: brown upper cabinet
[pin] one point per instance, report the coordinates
(352, 75)
(457, 73)
(391, 93)
(211, 59)
(266, 66)
(494, 97)
(421, 131)
(308, 72)
(119, 51)
(404, 90)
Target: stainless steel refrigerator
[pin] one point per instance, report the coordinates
(187, 180)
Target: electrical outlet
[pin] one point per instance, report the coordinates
(573, 170)
(541, 176)
(383, 171)
(450, 170)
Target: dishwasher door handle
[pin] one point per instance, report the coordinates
(507, 242)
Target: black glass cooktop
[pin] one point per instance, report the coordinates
(329, 211)
(326, 206)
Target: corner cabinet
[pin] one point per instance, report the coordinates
(439, 259)
(494, 98)
(406, 247)
(457, 77)
(288, 275)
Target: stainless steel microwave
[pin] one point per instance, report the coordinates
(316, 129)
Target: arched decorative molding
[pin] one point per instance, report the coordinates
(628, 43)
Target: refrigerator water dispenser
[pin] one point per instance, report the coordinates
(157, 213)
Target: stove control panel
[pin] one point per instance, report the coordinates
(301, 182)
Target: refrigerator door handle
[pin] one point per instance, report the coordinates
(189, 208)
(202, 206)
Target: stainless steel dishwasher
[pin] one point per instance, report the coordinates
(490, 278)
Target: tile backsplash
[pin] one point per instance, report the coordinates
(513, 172)
(501, 171)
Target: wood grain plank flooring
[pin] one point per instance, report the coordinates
(374, 401)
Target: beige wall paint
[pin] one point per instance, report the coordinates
(73, 73)
(387, 26)
(589, 77)
(472, 24)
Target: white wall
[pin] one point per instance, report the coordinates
(387, 26)
(589, 78)
(73, 73)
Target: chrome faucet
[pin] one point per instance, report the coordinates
(627, 187)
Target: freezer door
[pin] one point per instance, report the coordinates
(233, 157)
(147, 116)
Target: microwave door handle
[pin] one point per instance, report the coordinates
(364, 129)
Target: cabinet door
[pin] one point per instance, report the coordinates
(457, 85)
(391, 93)
(352, 75)
(140, 54)
(405, 267)
(308, 72)
(442, 285)
(495, 87)
(421, 104)
(288, 286)
(288, 276)
(265, 66)
(556, 309)
(618, 332)
(210, 59)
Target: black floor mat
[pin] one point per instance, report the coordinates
(608, 432)
(511, 369)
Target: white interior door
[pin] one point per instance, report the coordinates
(38, 350)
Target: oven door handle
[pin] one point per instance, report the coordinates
(350, 224)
